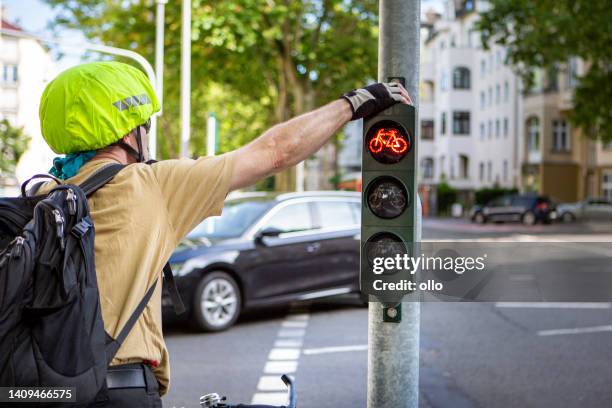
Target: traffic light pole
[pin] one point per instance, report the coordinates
(393, 352)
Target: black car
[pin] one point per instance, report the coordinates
(526, 208)
(268, 249)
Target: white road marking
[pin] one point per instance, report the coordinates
(283, 358)
(288, 343)
(294, 324)
(284, 354)
(339, 349)
(554, 305)
(271, 383)
(577, 330)
(270, 398)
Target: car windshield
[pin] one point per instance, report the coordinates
(236, 217)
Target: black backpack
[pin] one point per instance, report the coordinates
(51, 328)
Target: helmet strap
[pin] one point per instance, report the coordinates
(136, 154)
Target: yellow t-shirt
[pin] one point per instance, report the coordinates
(139, 218)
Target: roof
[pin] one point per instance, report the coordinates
(9, 26)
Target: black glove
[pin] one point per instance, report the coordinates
(373, 99)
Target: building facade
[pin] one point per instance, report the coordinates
(469, 106)
(25, 69)
(479, 128)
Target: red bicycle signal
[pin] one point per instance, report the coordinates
(388, 144)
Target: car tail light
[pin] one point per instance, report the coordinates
(542, 206)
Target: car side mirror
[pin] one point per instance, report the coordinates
(266, 232)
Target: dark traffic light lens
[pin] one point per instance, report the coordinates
(388, 142)
(384, 245)
(387, 197)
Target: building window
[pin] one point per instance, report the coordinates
(9, 74)
(533, 134)
(490, 96)
(505, 170)
(427, 129)
(461, 78)
(572, 73)
(442, 162)
(497, 129)
(481, 172)
(606, 185)
(464, 167)
(482, 131)
(443, 124)
(505, 127)
(506, 91)
(453, 41)
(452, 167)
(489, 171)
(427, 165)
(490, 133)
(560, 137)
(483, 67)
(498, 56)
(497, 94)
(461, 123)
(483, 100)
(444, 82)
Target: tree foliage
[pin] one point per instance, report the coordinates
(13, 144)
(547, 33)
(254, 62)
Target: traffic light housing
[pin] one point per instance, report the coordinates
(388, 214)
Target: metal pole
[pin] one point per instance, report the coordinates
(159, 72)
(393, 352)
(211, 134)
(299, 177)
(185, 78)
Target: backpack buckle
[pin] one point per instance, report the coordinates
(81, 228)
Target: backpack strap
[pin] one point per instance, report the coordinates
(100, 178)
(113, 346)
(177, 302)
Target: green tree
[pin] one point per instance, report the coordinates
(545, 33)
(254, 62)
(13, 143)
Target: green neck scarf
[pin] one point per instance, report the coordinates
(68, 166)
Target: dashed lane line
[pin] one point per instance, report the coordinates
(283, 358)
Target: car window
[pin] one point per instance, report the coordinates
(336, 214)
(519, 201)
(293, 217)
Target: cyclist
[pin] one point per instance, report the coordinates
(99, 113)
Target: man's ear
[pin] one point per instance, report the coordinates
(126, 138)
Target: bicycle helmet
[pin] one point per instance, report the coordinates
(93, 105)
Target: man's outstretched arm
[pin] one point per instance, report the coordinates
(288, 143)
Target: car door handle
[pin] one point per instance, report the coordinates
(313, 247)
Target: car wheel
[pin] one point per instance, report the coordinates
(529, 218)
(217, 302)
(479, 218)
(568, 217)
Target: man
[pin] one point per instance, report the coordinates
(98, 114)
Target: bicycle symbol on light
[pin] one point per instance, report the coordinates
(390, 139)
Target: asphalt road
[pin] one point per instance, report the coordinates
(472, 354)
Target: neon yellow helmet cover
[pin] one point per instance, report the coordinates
(93, 105)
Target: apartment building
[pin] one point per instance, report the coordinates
(469, 106)
(25, 69)
(557, 159)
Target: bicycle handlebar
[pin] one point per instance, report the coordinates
(213, 400)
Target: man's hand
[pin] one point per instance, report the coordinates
(372, 99)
